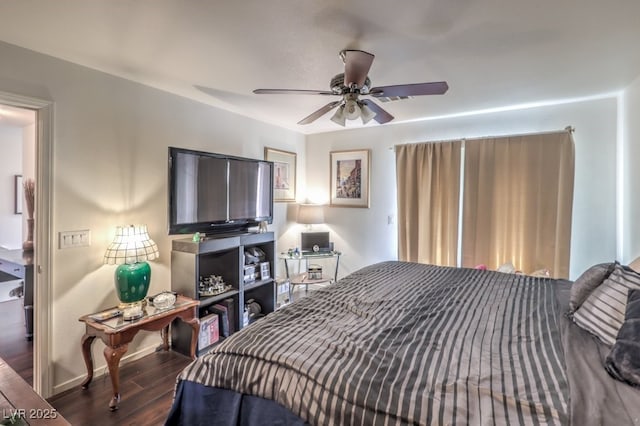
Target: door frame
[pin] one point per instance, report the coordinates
(42, 374)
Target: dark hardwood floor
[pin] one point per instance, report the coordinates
(15, 349)
(146, 389)
(146, 385)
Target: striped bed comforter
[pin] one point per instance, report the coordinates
(405, 343)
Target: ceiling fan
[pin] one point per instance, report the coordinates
(355, 82)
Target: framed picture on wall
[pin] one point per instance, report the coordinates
(350, 178)
(18, 194)
(284, 174)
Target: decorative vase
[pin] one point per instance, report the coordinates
(132, 282)
(28, 244)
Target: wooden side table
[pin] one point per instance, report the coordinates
(116, 333)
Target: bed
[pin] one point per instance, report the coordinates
(405, 343)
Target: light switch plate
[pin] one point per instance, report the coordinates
(69, 239)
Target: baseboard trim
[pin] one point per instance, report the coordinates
(103, 370)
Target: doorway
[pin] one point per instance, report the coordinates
(37, 166)
(17, 168)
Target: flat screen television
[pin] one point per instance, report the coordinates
(216, 193)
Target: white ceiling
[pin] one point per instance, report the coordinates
(493, 53)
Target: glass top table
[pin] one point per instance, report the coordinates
(303, 277)
(149, 312)
(116, 333)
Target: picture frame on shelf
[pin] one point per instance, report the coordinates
(350, 172)
(284, 174)
(209, 332)
(265, 271)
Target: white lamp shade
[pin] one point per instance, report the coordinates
(367, 113)
(131, 244)
(339, 117)
(310, 214)
(351, 110)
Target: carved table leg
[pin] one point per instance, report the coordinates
(195, 325)
(88, 360)
(164, 333)
(113, 355)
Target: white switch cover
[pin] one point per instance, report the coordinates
(69, 239)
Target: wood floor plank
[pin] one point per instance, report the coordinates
(146, 387)
(15, 349)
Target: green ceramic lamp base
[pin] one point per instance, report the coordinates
(132, 282)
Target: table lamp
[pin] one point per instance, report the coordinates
(310, 214)
(130, 250)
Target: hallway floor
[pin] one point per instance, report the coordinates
(15, 349)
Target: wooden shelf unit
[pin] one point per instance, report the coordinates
(222, 256)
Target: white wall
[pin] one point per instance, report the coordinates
(365, 235)
(631, 179)
(10, 165)
(110, 151)
(110, 168)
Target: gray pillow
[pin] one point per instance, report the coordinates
(587, 282)
(623, 362)
(602, 313)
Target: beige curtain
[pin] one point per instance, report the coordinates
(428, 185)
(518, 197)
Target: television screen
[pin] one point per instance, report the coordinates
(199, 194)
(216, 193)
(249, 190)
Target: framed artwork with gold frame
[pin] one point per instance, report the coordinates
(284, 174)
(350, 178)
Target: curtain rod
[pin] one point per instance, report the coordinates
(569, 129)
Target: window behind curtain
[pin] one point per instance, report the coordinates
(517, 202)
(428, 180)
(518, 197)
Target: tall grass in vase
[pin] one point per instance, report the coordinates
(29, 195)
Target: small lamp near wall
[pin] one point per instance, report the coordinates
(130, 249)
(310, 214)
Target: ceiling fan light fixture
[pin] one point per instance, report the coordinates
(351, 109)
(355, 82)
(339, 117)
(366, 113)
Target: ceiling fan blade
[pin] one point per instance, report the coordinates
(382, 116)
(292, 92)
(319, 113)
(404, 90)
(357, 64)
